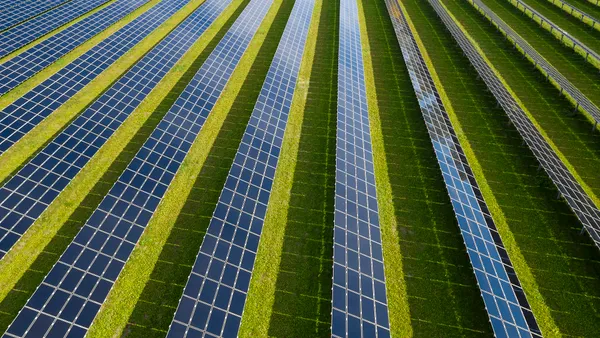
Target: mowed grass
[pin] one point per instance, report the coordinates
(568, 62)
(574, 26)
(443, 296)
(158, 301)
(571, 132)
(585, 6)
(17, 297)
(565, 265)
(302, 304)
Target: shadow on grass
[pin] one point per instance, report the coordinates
(565, 264)
(302, 305)
(157, 304)
(444, 299)
(24, 288)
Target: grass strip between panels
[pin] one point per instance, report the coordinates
(398, 307)
(261, 293)
(588, 190)
(38, 136)
(124, 296)
(33, 242)
(55, 31)
(45, 73)
(535, 298)
(537, 66)
(568, 8)
(559, 35)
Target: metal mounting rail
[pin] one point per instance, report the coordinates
(577, 199)
(505, 301)
(576, 12)
(565, 85)
(554, 27)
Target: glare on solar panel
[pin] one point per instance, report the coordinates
(503, 296)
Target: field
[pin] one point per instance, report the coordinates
(431, 286)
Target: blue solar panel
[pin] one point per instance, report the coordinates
(20, 68)
(24, 10)
(214, 297)
(568, 186)
(26, 195)
(359, 300)
(24, 114)
(19, 36)
(503, 296)
(115, 227)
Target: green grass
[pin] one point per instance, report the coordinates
(565, 265)
(302, 304)
(564, 39)
(52, 234)
(18, 153)
(397, 297)
(55, 31)
(570, 132)
(442, 293)
(582, 5)
(579, 72)
(261, 294)
(154, 310)
(578, 29)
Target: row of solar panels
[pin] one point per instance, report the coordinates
(554, 27)
(576, 12)
(71, 295)
(22, 11)
(566, 86)
(568, 186)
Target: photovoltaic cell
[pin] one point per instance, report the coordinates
(503, 296)
(565, 84)
(576, 12)
(19, 36)
(577, 199)
(214, 297)
(26, 195)
(25, 113)
(20, 68)
(359, 300)
(24, 10)
(555, 28)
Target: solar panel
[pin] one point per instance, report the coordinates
(22, 11)
(214, 296)
(26, 195)
(20, 68)
(24, 114)
(567, 185)
(566, 86)
(503, 296)
(19, 36)
(359, 301)
(576, 12)
(556, 29)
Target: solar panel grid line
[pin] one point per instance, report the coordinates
(103, 256)
(214, 297)
(566, 86)
(23, 66)
(21, 116)
(25, 196)
(26, 10)
(19, 36)
(503, 296)
(526, 8)
(568, 186)
(576, 12)
(359, 296)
